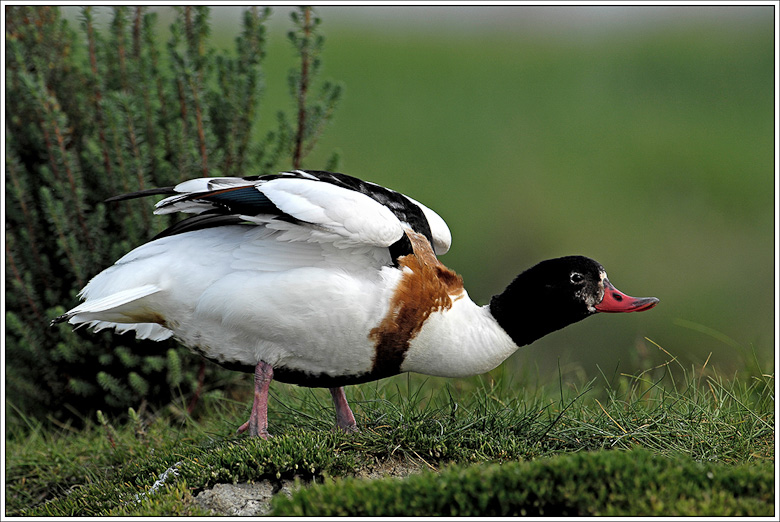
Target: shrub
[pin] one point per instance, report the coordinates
(95, 113)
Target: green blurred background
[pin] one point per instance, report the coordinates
(639, 136)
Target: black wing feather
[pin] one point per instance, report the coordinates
(240, 200)
(141, 194)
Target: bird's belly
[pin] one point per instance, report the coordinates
(304, 322)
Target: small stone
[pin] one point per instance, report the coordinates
(248, 500)
(240, 500)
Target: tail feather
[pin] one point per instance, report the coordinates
(151, 331)
(112, 302)
(121, 311)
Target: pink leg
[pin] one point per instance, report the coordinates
(344, 418)
(258, 420)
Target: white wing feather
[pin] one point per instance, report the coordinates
(349, 214)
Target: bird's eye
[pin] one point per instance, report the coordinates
(576, 278)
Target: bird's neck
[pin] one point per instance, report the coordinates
(464, 341)
(469, 340)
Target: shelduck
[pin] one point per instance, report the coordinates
(324, 280)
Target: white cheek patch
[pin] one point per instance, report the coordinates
(592, 300)
(603, 277)
(588, 299)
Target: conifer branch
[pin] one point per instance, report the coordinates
(136, 153)
(30, 299)
(204, 155)
(312, 116)
(119, 156)
(49, 149)
(99, 117)
(57, 218)
(184, 136)
(137, 33)
(118, 25)
(303, 86)
(251, 54)
(194, 31)
(142, 66)
(330, 97)
(20, 193)
(182, 104)
(189, 33)
(149, 39)
(64, 156)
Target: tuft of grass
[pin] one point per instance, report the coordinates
(172, 501)
(112, 467)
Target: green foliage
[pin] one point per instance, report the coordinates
(605, 483)
(99, 112)
(174, 367)
(312, 115)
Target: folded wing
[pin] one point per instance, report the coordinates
(324, 205)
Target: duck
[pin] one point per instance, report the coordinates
(321, 279)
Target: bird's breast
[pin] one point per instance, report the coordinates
(425, 287)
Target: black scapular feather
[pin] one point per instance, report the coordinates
(241, 200)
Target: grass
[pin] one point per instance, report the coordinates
(698, 419)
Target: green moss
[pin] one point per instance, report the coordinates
(604, 483)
